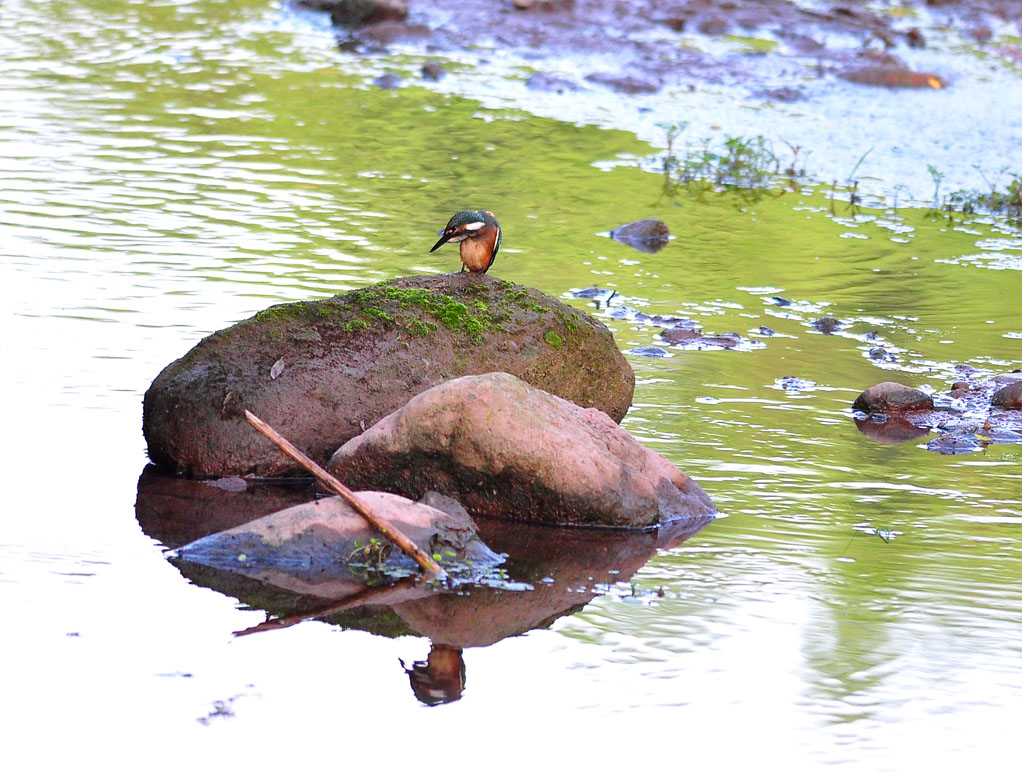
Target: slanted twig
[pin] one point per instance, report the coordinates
(330, 482)
(364, 597)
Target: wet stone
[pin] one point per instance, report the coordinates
(649, 235)
(626, 84)
(544, 82)
(784, 94)
(649, 351)
(680, 334)
(1009, 396)
(826, 325)
(433, 71)
(892, 397)
(387, 81)
(359, 13)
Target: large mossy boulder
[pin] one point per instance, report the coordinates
(322, 371)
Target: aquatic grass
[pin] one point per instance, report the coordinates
(746, 165)
(1004, 201)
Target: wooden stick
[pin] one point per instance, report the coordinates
(330, 482)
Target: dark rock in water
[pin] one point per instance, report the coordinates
(1009, 396)
(648, 351)
(781, 301)
(826, 325)
(626, 84)
(890, 430)
(383, 36)
(591, 292)
(795, 384)
(891, 397)
(350, 360)
(387, 81)
(700, 342)
(508, 450)
(714, 25)
(543, 82)
(649, 235)
(433, 71)
(1008, 378)
(680, 334)
(881, 354)
(359, 13)
(784, 94)
(763, 330)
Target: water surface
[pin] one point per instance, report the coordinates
(171, 168)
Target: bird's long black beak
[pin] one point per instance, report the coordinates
(444, 237)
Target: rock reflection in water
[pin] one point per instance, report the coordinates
(550, 572)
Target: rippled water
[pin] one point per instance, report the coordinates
(170, 168)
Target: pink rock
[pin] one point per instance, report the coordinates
(509, 450)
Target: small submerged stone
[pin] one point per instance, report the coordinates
(626, 84)
(648, 351)
(433, 71)
(826, 325)
(649, 235)
(541, 81)
(387, 81)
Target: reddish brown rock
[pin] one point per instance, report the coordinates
(359, 13)
(508, 450)
(1009, 396)
(322, 371)
(893, 76)
(891, 397)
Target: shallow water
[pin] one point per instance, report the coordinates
(168, 169)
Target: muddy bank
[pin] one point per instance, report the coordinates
(637, 42)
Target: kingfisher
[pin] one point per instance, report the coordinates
(478, 233)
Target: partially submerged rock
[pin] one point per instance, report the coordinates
(891, 397)
(978, 411)
(318, 545)
(1009, 396)
(509, 450)
(322, 371)
(649, 235)
(359, 13)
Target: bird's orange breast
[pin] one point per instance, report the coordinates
(477, 254)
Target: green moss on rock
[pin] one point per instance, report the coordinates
(553, 339)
